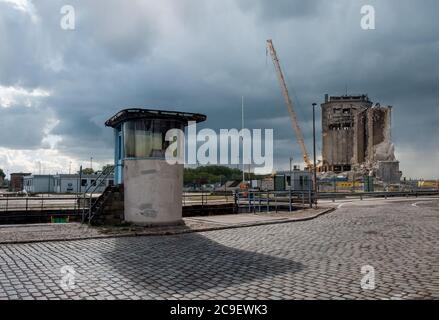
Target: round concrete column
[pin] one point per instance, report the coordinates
(153, 192)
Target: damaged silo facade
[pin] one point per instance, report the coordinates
(357, 137)
(343, 128)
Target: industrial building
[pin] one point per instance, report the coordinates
(357, 136)
(66, 183)
(74, 183)
(39, 183)
(296, 180)
(17, 181)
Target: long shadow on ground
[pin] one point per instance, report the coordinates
(191, 262)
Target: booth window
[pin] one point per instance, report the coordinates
(145, 138)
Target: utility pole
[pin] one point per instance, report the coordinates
(314, 143)
(79, 183)
(242, 131)
(91, 163)
(250, 173)
(314, 147)
(291, 173)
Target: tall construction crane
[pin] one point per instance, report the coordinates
(289, 103)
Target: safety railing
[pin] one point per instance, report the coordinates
(204, 198)
(38, 204)
(100, 180)
(273, 201)
(387, 194)
(245, 201)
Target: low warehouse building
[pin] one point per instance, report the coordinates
(296, 180)
(39, 183)
(74, 183)
(67, 183)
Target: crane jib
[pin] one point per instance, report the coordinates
(289, 103)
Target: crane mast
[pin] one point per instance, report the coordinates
(289, 103)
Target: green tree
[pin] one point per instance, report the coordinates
(213, 174)
(2, 174)
(88, 171)
(107, 167)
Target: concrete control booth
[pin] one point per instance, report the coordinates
(152, 187)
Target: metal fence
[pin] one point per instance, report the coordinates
(358, 187)
(12, 203)
(334, 196)
(274, 201)
(244, 201)
(207, 198)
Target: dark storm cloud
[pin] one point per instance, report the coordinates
(22, 128)
(202, 56)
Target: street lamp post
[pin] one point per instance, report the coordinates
(314, 147)
(291, 184)
(291, 173)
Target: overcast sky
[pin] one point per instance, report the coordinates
(57, 87)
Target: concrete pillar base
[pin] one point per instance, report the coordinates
(153, 192)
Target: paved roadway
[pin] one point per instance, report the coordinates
(317, 259)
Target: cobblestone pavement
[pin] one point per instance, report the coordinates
(317, 259)
(14, 234)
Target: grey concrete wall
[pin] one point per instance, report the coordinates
(68, 185)
(388, 172)
(153, 192)
(379, 133)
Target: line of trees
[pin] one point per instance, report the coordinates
(213, 175)
(91, 171)
(200, 175)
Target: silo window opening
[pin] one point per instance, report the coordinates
(347, 126)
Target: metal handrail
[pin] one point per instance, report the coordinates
(104, 174)
(258, 201)
(9, 204)
(110, 171)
